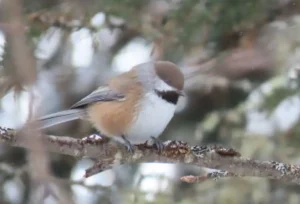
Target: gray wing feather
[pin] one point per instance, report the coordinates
(101, 94)
(77, 111)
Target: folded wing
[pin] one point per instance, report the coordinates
(100, 94)
(77, 111)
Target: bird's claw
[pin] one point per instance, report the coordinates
(129, 146)
(158, 144)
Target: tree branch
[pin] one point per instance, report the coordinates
(107, 155)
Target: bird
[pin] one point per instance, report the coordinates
(132, 107)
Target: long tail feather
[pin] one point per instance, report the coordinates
(60, 117)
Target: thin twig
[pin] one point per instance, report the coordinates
(211, 175)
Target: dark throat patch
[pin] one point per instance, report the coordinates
(169, 96)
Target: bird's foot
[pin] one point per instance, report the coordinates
(158, 144)
(128, 145)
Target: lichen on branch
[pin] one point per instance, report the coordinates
(108, 154)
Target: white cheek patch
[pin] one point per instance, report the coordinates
(160, 85)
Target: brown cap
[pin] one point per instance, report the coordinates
(170, 74)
